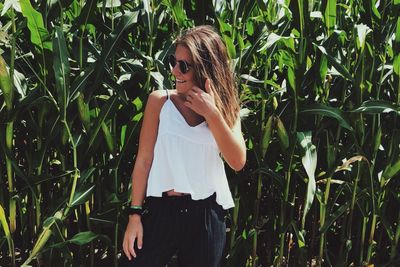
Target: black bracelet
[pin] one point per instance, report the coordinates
(134, 210)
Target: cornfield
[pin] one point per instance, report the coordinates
(319, 83)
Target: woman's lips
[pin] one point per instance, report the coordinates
(179, 81)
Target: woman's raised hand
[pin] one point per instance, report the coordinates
(201, 102)
(134, 231)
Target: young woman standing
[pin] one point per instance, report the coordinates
(179, 175)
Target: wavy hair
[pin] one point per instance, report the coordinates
(210, 60)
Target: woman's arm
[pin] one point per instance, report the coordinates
(147, 140)
(230, 141)
(144, 159)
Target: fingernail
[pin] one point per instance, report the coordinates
(140, 247)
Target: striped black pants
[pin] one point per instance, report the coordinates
(194, 230)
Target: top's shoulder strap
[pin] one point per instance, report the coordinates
(166, 90)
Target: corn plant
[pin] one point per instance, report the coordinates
(319, 83)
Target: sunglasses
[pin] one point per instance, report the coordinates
(184, 67)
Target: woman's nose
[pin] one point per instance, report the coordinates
(175, 70)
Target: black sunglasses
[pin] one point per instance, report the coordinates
(184, 67)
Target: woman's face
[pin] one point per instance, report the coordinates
(184, 81)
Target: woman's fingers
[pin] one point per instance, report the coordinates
(133, 233)
(140, 239)
(128, 247)
(131, 249)
(125, 249)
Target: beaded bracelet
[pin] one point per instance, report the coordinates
(134, 210)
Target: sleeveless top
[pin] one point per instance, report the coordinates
(187, 159)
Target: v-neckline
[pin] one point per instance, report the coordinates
(182, 117)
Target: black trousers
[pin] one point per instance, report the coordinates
(194, 230)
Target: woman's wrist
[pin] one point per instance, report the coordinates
(135, 217)
(213, 115)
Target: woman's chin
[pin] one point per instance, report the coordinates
(182, 88)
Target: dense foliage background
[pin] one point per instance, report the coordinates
(320, 88)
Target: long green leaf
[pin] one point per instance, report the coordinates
(39, 34)
(323, 110)
(377, 107)
(6, 230)
(61, 70)
(82, 195)
(105, 112)
(83, 238)
(309, 161)
(339, 66)
(330, 16)
(6, 84)
(110, 48)
(332, 218)
(43, 237)
(391, 170)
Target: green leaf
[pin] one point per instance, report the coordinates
(334, 216)
(131, 127)
(282, 133)
(6, 228)
(109, 138)
(330, 16)
(6, 86)
(87, 12)
(271, 40)
(230, 46)
(309, 161)
(158, 78)
(397, 37)
(39, 34)
(105, 112)
(85, 174)
(396, 65)
(291, 78)
(377, 107)
(61, 69)
(323, 68)
(266, 136)
(44, 236)
(16, 166)
(323, 110)
(178, 11)
(83, 238)
(391, 170)
(300, 237)
(110, 48)
(375, 10)
(80, 82)
(335, 63)
(81, 197)
(262, 5)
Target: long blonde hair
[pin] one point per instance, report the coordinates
(210, 60)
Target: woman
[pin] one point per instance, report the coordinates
(179, 166)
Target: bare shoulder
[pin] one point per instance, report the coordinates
(156, 100)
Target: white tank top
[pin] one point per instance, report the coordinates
(187, 159)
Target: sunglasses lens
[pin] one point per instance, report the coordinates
(183, 66)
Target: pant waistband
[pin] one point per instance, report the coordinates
(181, 200)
